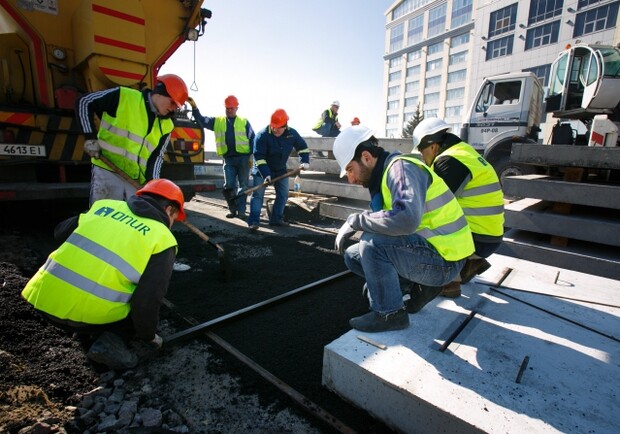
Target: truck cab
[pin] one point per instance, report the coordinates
(507, 108)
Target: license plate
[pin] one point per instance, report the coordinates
(23, 150)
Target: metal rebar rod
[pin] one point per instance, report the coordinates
(456, 332)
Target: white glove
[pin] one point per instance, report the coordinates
(304, 166)
(267, 180)
(92, 148)
(345, 232)
(157, 341)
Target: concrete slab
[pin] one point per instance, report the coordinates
(566, 324)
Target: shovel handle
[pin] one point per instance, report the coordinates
(258, 187)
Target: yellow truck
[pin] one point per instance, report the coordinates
(51, 53)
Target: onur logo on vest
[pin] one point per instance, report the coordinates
(106, 211)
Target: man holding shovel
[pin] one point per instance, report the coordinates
(272, 147)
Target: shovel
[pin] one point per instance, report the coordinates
(221, 253)
(231, 198)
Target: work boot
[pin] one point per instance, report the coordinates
(231, 215)
(242, 215)
(110, 350)
(280, 223)
(253, 228)
(420, 296)
(373, 322)
(473, 267)
(451, 290)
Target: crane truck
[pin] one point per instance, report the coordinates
(51, 53)
(508, 108)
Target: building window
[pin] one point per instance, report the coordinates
(459, 40)
(396, 37)
(393, 90)
(461, 12)
(433, 65)
(391, 132)
(433, 81)
(412, 87)
(541, 10)
(454, 111)
(594, 20)
(500, 47)
(416, 27)
(453, 94)
(456, 76)
(431, 113)
(397, 61)
(413, 71)
(407, 6)
(395, 76)
(411, 101)
(542, 35)
(435, 48)
(431, 97)
(585, 3)
(503, 20)
(391, 105)
(437, 20)
(391, 119)
(414, 55)
(457, 58)
(542, 72)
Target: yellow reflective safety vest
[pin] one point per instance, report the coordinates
(91, 277)
(482, 199)
(443, 224)
(242, 142)
(320, 122)
(125, 139)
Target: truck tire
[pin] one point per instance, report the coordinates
(504, 167)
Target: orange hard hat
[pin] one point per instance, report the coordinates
(175, 88)
(279, 118)
(167, 189)
(355, 121)
(231, 101)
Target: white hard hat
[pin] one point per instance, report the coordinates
(336, 103)
(428, 127)
(346, 142)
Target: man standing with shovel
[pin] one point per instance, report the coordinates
(272, 147)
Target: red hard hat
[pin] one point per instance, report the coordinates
(231, 101)
(279, 118)
(167, 189)
(355, 121)
(175, 87)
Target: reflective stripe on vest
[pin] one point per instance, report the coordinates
(482, 199)
(91, 277)
(242, 142)
(443, 224)
(125, 139)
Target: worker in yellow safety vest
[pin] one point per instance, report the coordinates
(415, 237)
(328, 125)
(110, 275)
(476, 186)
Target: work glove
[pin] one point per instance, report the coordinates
(191, 102)
(345, 232)
(92, 148)
(157, 341)
(304, 166)
(267, 180)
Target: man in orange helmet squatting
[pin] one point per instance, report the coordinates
(272, 147)
(134, 133)
(94, 285)
(234, 137)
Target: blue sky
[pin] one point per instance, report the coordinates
(296, 55)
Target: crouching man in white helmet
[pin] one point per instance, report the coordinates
(477, 189)
(415, 236)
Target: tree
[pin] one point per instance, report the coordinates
(415, 120)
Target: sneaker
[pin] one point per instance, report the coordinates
(420, 296)
(179, 266)
(110, 350)
(473, 267)
(253, 228)
(374, 322)
(231, 215)
(280, 223)
(451, 290)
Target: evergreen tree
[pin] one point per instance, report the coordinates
(413, 122)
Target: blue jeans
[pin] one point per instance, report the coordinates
(236, 175)
(385, 260)
(256, 203)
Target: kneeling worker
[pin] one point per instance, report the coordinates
(109, 278)
(415, 230)
(476, 186)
